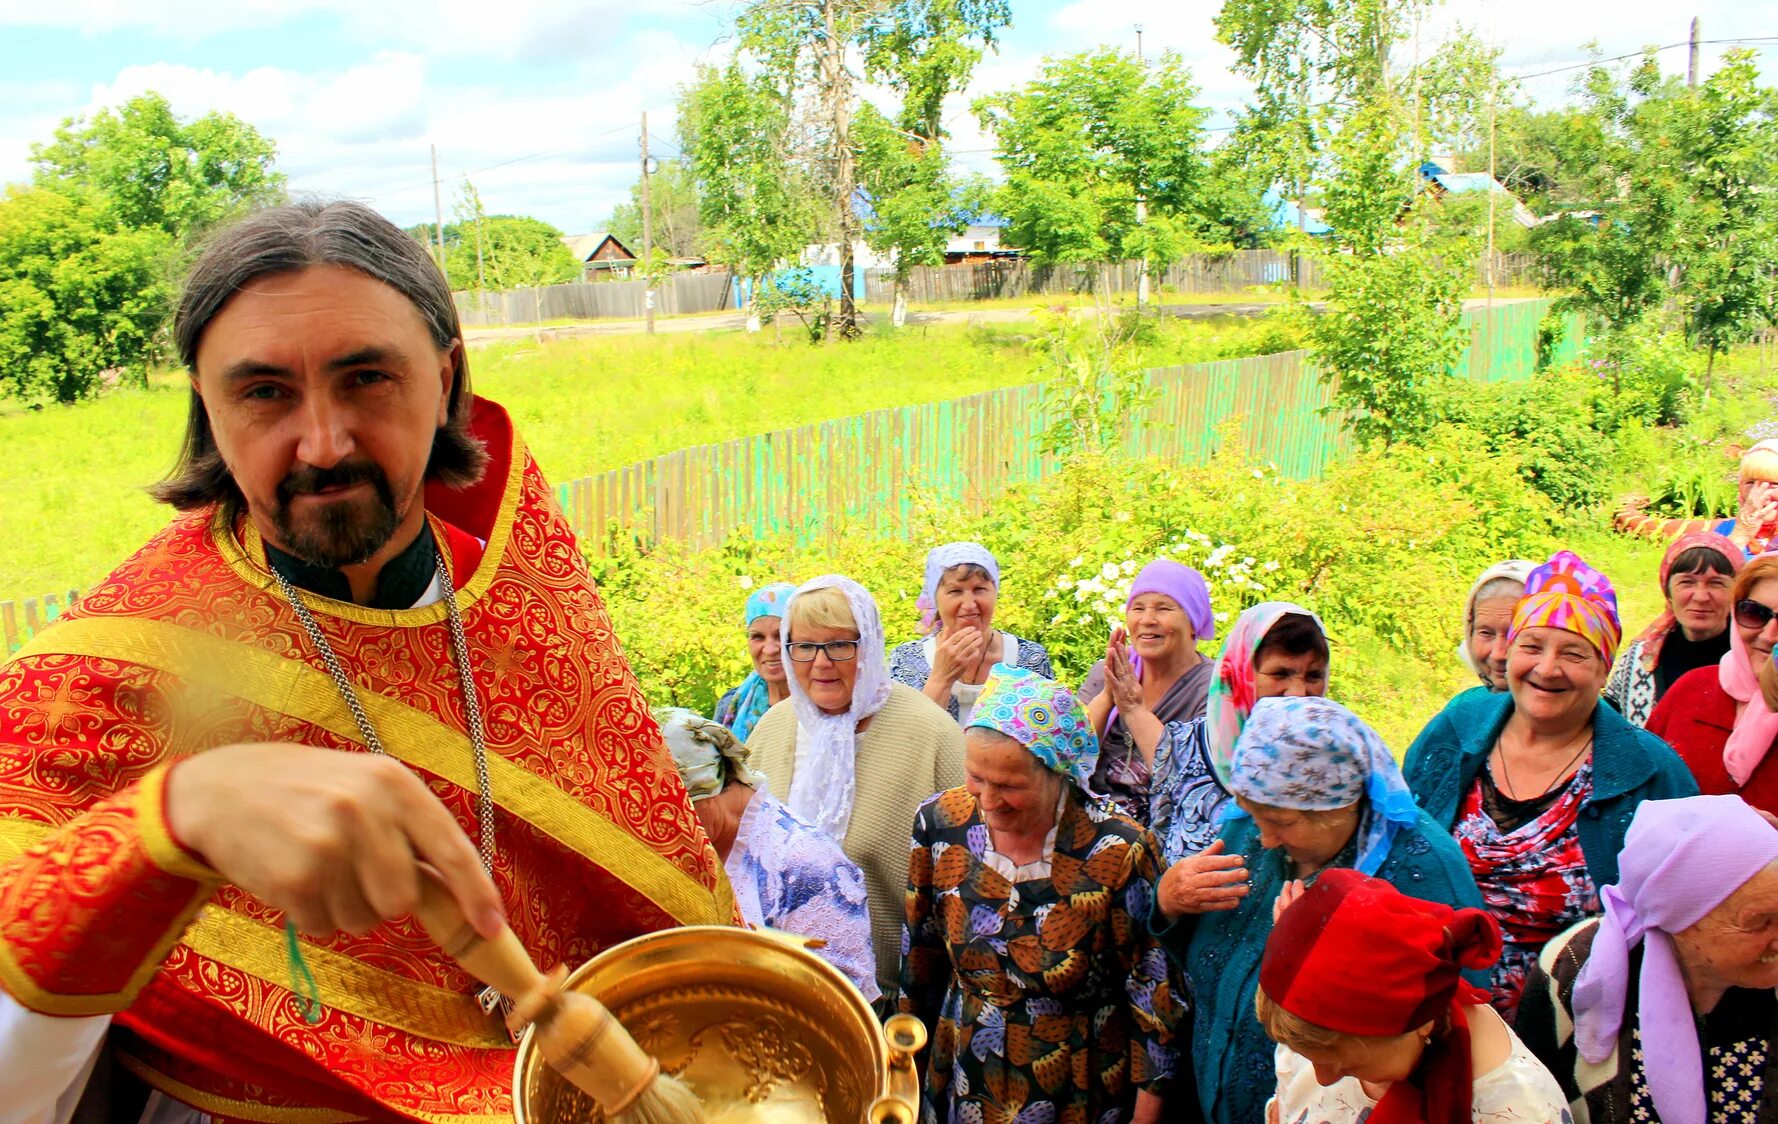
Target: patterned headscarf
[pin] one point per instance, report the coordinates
(1756, 726)
(1681, 859)
(1314, 755)
(1568, 594)
(946, 557)
(1515, 569)
(1231, 678)
(826, 783)
(1655, 635)
(754, 696)
(708, 754)
(768, 601)
(1041, 715)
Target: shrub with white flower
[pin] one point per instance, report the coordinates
(1090, 594)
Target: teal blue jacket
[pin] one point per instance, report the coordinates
(1220, 955)
(1630, 765)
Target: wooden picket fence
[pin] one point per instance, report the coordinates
(872, 471)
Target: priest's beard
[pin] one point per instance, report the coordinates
(347, 531)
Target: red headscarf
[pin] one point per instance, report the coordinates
(1357, 956)
(1655, 634)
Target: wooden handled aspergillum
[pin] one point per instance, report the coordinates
(579, 1037)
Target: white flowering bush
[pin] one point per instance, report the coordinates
(1091, 594)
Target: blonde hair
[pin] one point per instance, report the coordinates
(826, 607)
(1299, 1034)
(1751, 575)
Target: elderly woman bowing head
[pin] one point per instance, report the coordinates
(957, 603)
(787, 873)
(768, 683)
(1360, 988)
(1027, 950)
(851, 752)
(1539, 784)
(1663, 1009)
(1316, 789)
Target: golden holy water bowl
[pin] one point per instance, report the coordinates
(762, 1029)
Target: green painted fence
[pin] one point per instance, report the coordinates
(868, 470)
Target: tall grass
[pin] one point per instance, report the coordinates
(71, 479)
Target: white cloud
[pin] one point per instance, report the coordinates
(532, 30)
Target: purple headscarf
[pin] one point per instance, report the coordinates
(1185, 586)
(1187, 589)
(1681, 859)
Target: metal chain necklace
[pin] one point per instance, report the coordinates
(488, 997)
(1561, 774)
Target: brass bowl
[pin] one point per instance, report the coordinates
(749, 1020)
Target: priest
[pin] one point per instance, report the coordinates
(366, 642)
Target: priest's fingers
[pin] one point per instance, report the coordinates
(346, 907)
(436, 838)
(387, 874)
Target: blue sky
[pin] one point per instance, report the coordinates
(540, 105)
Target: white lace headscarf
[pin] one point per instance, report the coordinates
(825, 784)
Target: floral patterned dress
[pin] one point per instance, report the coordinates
(1533, 877)
(1046, 998)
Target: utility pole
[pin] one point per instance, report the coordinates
(1492, 88)
(647, 234)
(1138, 42)
(1691, 70)
(437, 211)
(845, 173)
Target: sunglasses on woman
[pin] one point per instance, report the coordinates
(1751, 614)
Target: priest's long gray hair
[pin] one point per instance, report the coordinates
(290, 238)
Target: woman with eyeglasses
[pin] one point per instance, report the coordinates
(1539, 784)
(1723, 720)
(853, 752)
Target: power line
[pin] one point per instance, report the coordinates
(1638, 54)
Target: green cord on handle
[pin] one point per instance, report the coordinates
(302, 981)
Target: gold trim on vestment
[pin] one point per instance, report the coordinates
(244, 555)
(298, 690)
(344, 983)
(16, 835)
(228, 1106)
(157, 838)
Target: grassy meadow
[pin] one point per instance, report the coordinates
(71, 482)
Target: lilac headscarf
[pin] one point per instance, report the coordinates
(1681, 859)
(947, 557)
(1185, 586)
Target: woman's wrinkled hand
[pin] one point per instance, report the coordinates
(1121, 681)
(1206, 882)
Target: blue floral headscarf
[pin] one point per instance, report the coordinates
(768, 601)
(1041, 715)
(1314, 755)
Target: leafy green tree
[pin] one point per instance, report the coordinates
(83, 297)
(756, 204)
(1093, 140)
(925, 50)
(673, 192)
(160, 172)
(1726, 241)
(914, 204)
(1544, 157)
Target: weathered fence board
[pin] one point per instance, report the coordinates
(679, 295)
(866, 471)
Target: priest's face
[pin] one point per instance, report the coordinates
(324, 391)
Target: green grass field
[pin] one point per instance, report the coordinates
(72, 479)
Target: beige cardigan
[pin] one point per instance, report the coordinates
(910, 750)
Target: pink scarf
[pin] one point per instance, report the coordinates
(1756, 726)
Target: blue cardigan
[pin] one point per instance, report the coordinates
(1630, 765)
(1220, 954)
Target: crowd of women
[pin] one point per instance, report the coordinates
(1201, 888)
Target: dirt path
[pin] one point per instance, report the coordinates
(735, 321)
